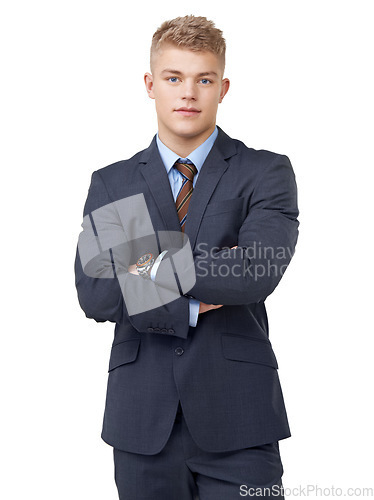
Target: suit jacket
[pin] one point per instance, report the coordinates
(223, 371)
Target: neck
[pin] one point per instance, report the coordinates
(183, 146)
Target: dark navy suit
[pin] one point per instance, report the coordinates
(223, 371)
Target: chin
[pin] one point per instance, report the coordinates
(188, 130)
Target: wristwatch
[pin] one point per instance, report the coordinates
(144, 265)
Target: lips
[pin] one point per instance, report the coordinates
(187, 111)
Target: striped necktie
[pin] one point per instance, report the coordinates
(187, 170)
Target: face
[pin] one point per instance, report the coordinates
(187, 87)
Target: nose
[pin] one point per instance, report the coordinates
(189, 90)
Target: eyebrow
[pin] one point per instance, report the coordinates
(176, 72)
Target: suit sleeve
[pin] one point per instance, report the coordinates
(266, 244)
(102, 282)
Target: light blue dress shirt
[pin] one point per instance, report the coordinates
(197, 157)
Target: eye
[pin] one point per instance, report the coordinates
(205, 81)
(172, 79)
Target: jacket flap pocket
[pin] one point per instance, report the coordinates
(251, 350)
(124, 352)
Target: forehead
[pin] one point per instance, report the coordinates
(184, 60)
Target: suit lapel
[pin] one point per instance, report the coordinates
(210, 174)
(154, 173)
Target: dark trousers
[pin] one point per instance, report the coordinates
(182, 471)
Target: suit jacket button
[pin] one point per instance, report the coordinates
(150, 329)
(164, 330)
(179, 351)
(171, 330)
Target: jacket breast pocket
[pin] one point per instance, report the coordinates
(123, 353)
(249, 350)
(221, 207)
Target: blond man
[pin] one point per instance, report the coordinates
(194, 407)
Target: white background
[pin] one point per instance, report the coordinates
(73, 101)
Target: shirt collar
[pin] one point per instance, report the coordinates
(197, 156)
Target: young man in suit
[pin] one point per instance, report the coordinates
(194, 406)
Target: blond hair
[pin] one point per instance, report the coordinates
(190, 32)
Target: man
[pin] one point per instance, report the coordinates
(194, 407)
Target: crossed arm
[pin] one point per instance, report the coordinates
(202, 306)
(271, 221)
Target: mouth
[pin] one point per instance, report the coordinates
(187, 111)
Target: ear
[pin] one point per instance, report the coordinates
(148, 80)
(224, 88)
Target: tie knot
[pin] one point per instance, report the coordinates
(188, 170)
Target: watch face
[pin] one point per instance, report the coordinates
(144, 259)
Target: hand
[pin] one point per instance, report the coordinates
(207, 307)
(132, 269)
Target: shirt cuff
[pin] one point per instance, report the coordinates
(194, 311)
(156, 264)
